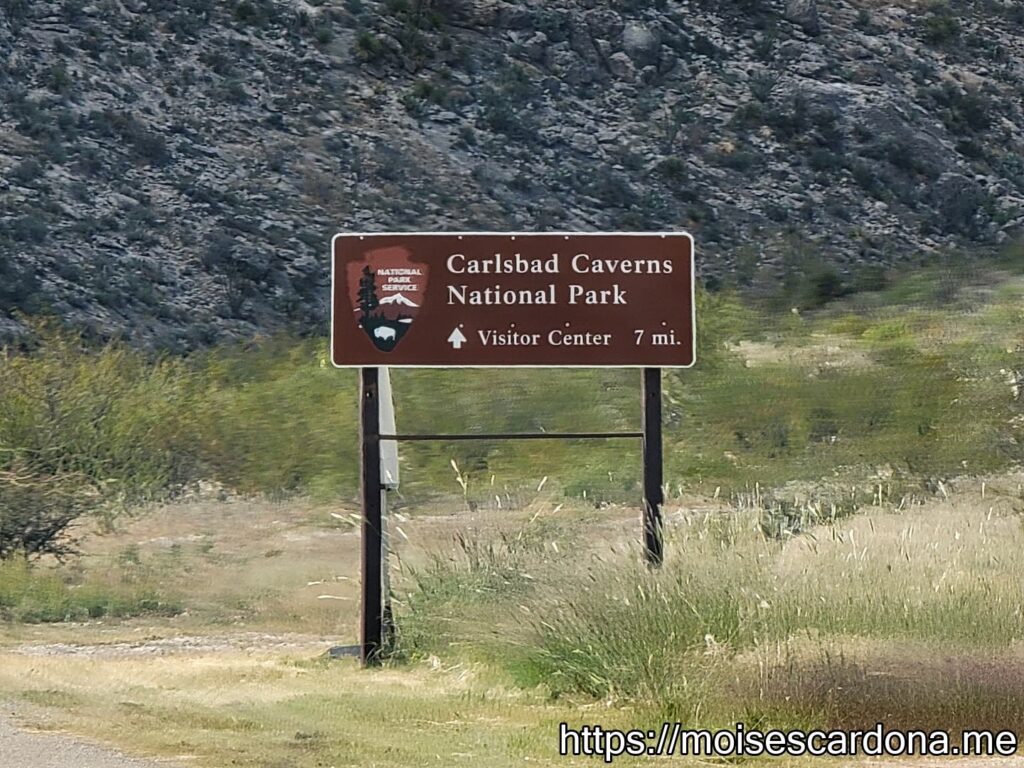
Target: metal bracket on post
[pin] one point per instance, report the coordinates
(389, 480)
(654, 495)
(370, 487)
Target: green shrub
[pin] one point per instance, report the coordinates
(323, 33)
(963, 111)
(673, 168)
(147, 145)
(368, 47)
(31, 228)
(37, 509)
(740, 160)
(19, 285)
(271, 415)
(275, 419)
(257, 13)
(27, 171)
(940, 25)
(124, 423)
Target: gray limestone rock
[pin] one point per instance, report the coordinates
(622, 66)
(804, 13)
(642, 42)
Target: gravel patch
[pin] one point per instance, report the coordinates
(33, 749)
(167, 646)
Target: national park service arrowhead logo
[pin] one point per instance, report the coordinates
(387, 289)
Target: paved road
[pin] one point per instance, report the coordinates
(28, 749)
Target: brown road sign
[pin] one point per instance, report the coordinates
(513, 299)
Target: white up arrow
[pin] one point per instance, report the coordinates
(457, 339)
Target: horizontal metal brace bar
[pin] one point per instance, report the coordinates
(517, 436)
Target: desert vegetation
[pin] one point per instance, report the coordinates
(843, 516)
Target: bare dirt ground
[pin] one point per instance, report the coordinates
(246, 641)
(26, 740)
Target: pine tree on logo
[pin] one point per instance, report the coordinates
(368, 300)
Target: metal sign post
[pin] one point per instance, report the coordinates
(654, 495)
(370, 486)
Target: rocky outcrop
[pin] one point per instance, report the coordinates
(174, 171)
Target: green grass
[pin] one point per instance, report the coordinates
(32, 594)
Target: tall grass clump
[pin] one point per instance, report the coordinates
(466, 594)
(622, 631)
(733, 613)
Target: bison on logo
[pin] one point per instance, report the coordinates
(386, 289)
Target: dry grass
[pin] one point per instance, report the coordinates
(263, 710)
(796, 631)
(240, 678)
(814, 628)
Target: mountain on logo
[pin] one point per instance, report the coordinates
(398, 299)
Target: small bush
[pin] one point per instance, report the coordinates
(323, 33)
(368, 47)
(19, 285)
(821, 284)
(27, 171)
(501, 115)
(256, 13)
(940, 25)
(57, 78)
(37, 508)
(738, 160)
(762, 85)
(790, 119)
(16, 10)
(825, 160)
(146, 144)
(673, 168)
(748, 115)
(30, 228)
(233, 92)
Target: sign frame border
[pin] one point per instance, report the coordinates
(362, 235)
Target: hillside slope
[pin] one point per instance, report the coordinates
(173, 169)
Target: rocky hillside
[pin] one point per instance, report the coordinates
(174, 169)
